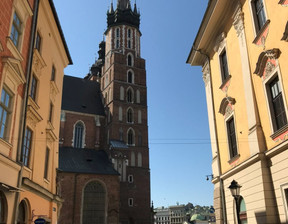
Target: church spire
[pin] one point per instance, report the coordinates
(123, 4)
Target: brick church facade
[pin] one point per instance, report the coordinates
(104, 174)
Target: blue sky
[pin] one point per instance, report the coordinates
(179, 140)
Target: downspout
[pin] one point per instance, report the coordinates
(24, 106)
(222, 192)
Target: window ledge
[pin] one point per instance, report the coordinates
(233, 159)
(11, 46)
(260, 33)
(280, 134)
(225, 82)
(5, 147)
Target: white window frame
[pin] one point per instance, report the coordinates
(117, 42)
(266, 83)
(130, 202)
(83, 134)
(132, 60)
(232, 115)
(130, 178)
(256, 29)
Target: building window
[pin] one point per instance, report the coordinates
(130, 115)
(16, 30)
(34, 83)
(5, 109)
(224, 66)
(27, 145)
(139, 159)
(51, 112)
(138, 96)
(121, 134)
(46, 167)
(117, 39)
(121, 93)
(129, 38)
(129, 60)
(38, 42)
(130, 77)
(78, 135)
(130, 202)
(22, 213)
(259, 14)
(286, 196)
(139, 117)
(3, 208)
(130, 179)
(94, 198)
(130, 137)
(53, 73)
(242, 212)
(120, 114)
(129, 96)
(277, 107)
(232, 138)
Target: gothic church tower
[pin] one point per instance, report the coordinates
(123, 85)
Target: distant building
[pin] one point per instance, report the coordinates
(178, 214)
(162, 215)
(242, 48)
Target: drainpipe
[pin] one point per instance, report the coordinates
(24, 105)
(222, 192)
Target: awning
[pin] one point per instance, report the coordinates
(7, 187)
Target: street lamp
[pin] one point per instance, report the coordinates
(235, 191)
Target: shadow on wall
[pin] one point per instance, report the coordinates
(261, 218)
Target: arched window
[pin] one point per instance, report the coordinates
(130, 95)
(130, 77)
(137, 96)
(121, 93)
(139, 158)
(132, 159)
(242, 212)
(130, 137)
(22, 213)
(121, 134)
(130, 60)
(94, 199)
(78, 135)
(3, 208)
(117, 38)
(120, 114)
(130, 115)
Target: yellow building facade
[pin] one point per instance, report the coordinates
(31, 93)
(39, 153)
(242, 48)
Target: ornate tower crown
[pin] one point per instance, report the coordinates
(123, 14)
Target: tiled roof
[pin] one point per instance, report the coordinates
(81, 95)
(90, 161)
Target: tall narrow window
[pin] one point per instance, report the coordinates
(26, 150)
(51, 112)
(121, 134)
(94, 198)
(3, 208)
(130, 137)
(139, 159)
(38, 42)
(46, 167)
(129, 60)
(138, 98)
(121, 93)
(129, 96)
(34, 83)
(224, 65)
(53, 73)
(130, 202)
(78, 135)
(279, 118)
(130, 78)
(139, 117)
(22, 213)
(120, 114)
(117, 41)
(232, 138)
(16, 30)
(242, 212)
(132, 159)
(5, 110)
(286, 196)
(259, 12)
(129, 38)
(140, 139)
(130, 115)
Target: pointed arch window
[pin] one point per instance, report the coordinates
(94, 203)
(121, 93)
(130, 60)
(129, 115)
(117, 38)
(129, 38)
(130, 77)
(3, 208)
(79, 135)
(22, 213)
(130, 95)
(131, 137)
(139, 159)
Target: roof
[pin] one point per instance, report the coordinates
(60, 31)
(91, 161)
(118, 144)
(82, 95)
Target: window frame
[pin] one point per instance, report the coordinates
(8, 109)
(3, 208)
(224, 68)
(130, 202)
(130, 115)
(46, 165)
(38, 42)
(27, 147)
(16, 28)
(256, 17)
(51, 111)
(53, 73)
(232, 153)
(284, 192)
(276, 73)
(33, 87)
(83, 133)
(130, 137)
(130, 76)
(130, 60)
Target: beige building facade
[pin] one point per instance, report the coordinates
(242, 48)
